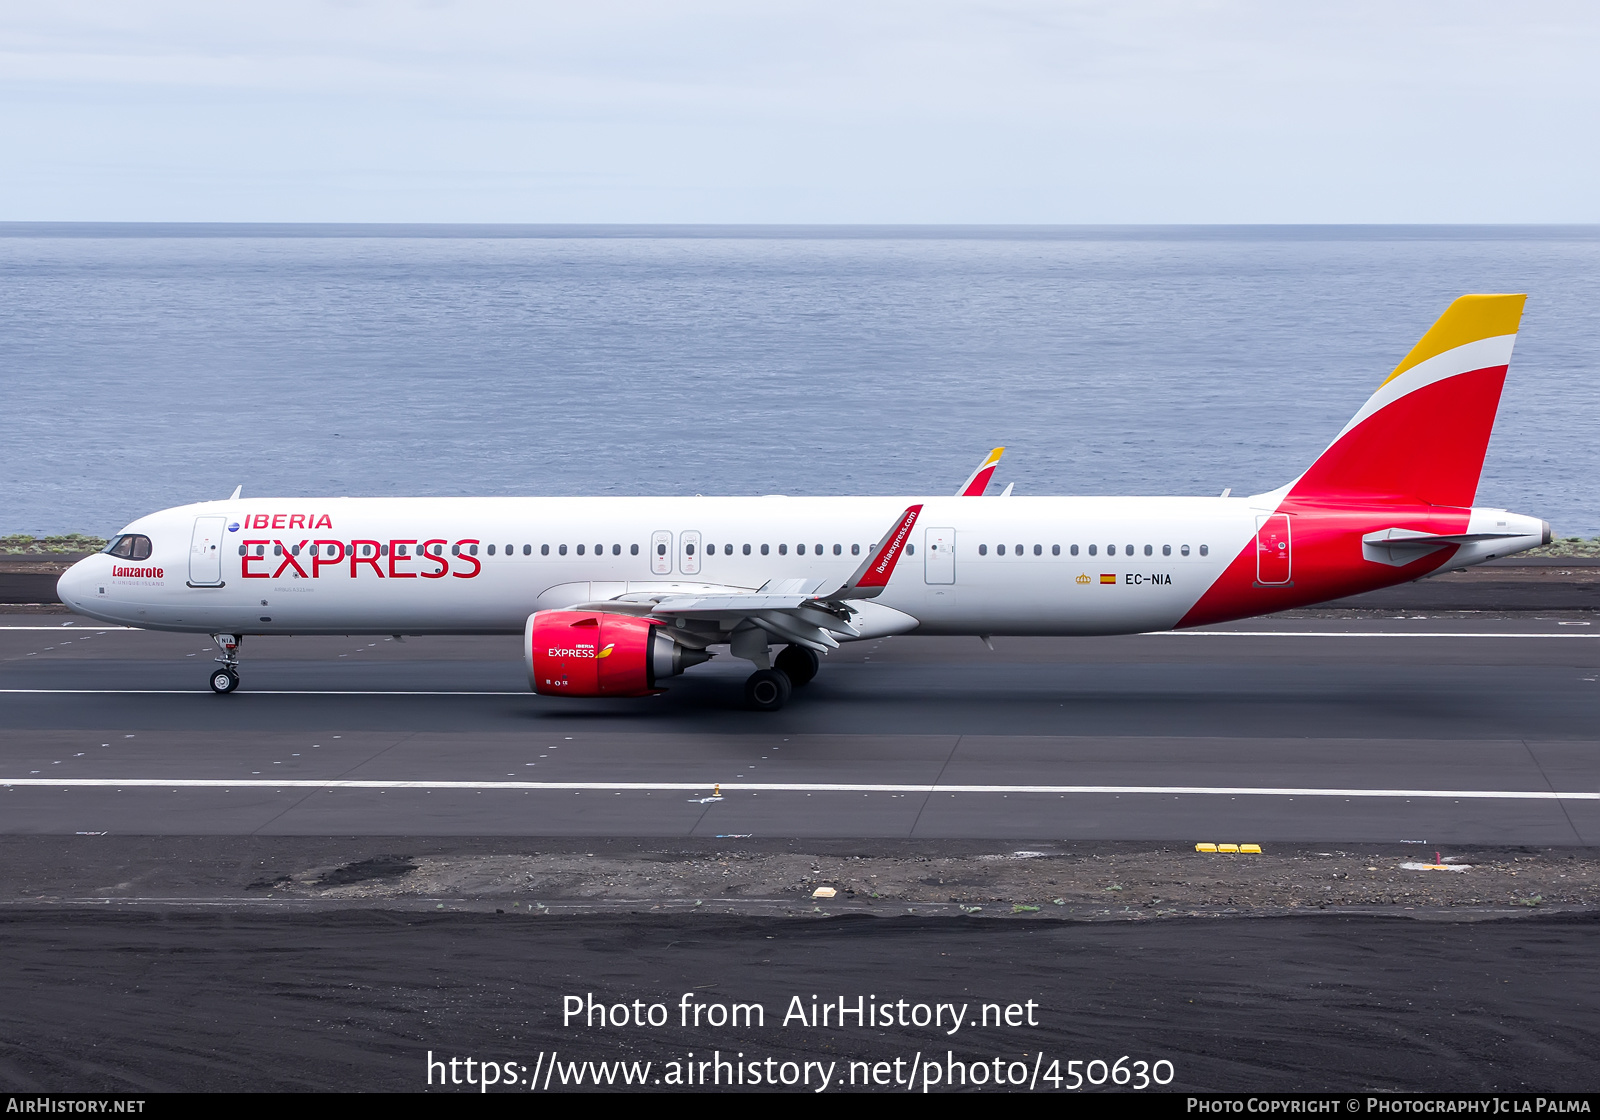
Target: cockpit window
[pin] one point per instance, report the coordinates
(130, 546)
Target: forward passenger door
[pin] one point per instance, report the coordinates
(205, 552)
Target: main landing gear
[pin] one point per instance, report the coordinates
(767, 690)
(226, 679)
(798, 663)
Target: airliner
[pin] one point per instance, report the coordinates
(614, 596)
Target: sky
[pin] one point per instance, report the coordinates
(778, 112)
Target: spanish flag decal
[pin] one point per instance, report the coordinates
(1105, 578)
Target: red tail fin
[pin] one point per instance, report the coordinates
(1422, 436)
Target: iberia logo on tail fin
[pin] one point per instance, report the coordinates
(1422, 436)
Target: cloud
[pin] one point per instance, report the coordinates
(1032, 112)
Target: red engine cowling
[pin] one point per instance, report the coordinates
(590, 653)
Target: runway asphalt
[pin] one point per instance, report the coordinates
(1465, 729)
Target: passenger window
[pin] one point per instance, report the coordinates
(241, 550)
(1166, 550)
(472, 548)
(1074, 550)
(616, 550)
(544, 550)
(633, 550)
(1127, 550)
(855, 550)
(661, 549)
(599, 550)
(1091, 549)
(1205, 550)
(819, 550)
(561, 549)
(799, 550)
(491, 550)
(688, 549)
(1148, 551)
(1183, 550)
(999, 550)
(277, 550)
(911, 550)
(455, 550)
(261, 550)
(727, 550)
(1055, 550)
(838, 550)
(763, 550)
(783, 549)
(580, 550)
(527, 550)
(747, 550)
(983, 550)
(1019, 550)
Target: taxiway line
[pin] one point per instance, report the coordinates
(791, 787)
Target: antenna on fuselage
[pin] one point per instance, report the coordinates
(237, 490)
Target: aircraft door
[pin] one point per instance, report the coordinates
(939, 556)
(689, 552)
(1273, 554)
(661, 553)
(205, 552)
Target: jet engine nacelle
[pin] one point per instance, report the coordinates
(590, 653)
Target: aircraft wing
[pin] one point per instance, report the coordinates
(810, 613)
(978, 481)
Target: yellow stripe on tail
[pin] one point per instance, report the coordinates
(1468, 319)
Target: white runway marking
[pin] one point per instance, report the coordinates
(791, 787)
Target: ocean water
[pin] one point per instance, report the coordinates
(146, 366)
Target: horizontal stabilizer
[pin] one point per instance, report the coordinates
(1402, 538)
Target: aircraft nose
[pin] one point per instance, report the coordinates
(73, 586)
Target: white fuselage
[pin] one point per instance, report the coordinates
(978, 566)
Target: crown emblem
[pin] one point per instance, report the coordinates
(1083, 578)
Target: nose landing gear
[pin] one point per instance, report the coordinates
(226, 679)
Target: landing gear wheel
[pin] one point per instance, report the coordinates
(798, 663)
(224, 681)
(767, 690)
